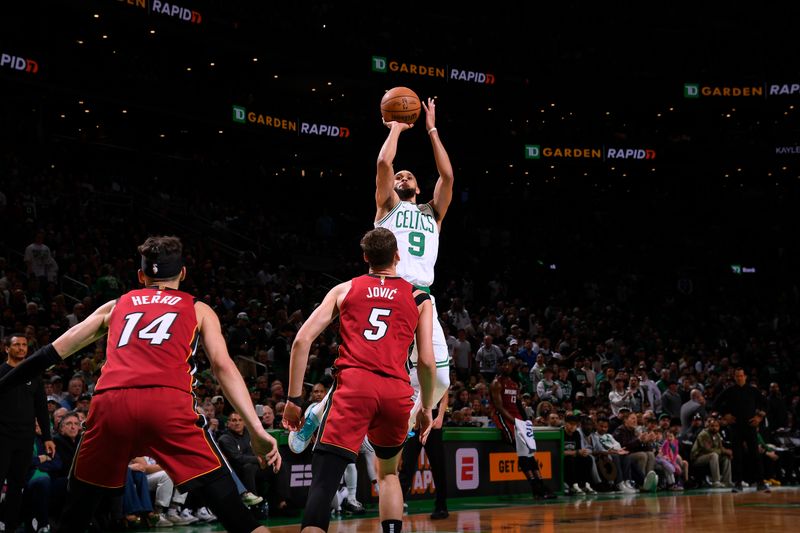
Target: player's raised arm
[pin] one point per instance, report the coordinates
(233, 384)
(75, 338)
(385, 197)
(322, 316)
(443, 193)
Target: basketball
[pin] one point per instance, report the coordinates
(400, 104)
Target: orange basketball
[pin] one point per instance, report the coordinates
(400, 104)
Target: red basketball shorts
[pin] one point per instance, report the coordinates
(365, 403)
(159, 422)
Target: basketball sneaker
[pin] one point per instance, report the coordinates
(205, 515)
(299, 440)
(174, 516)
(353, 506)
(250, 499)
(650, 482)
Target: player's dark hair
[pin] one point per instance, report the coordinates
(379, 246)
(162, 257)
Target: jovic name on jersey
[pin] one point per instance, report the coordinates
(414, 226)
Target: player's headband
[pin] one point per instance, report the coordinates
(163, 266)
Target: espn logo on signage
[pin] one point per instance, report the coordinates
(301, 476)
(467, 472)
(503, 466)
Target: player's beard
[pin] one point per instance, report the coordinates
(405, 194)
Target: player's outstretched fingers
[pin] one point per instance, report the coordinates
(274, 458)
(424, 436)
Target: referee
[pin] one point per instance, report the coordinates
(22, 403)
(743, 408)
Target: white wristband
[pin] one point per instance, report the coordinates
(431, 130)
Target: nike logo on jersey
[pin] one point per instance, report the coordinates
(381, 292)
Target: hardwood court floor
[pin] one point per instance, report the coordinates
(712, 511)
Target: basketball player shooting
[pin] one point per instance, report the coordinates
(416, 228)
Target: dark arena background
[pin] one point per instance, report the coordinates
(625, 205)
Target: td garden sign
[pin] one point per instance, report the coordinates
(388, 65)
(603, 153)
(764, 90)
(272, 121)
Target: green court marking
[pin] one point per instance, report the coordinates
(795, 505)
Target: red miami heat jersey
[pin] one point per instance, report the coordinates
(510, 389)
(152, 337)
(378, 320)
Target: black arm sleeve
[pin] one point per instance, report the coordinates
(32, 366)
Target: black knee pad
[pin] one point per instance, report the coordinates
(223, 498)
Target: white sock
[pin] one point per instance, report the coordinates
(351, 480)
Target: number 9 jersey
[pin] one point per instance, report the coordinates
(152, 338)
(414, 226)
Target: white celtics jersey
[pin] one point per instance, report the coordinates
(414, 227)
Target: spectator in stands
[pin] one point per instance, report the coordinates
(547, 389)
(58, 387)
(75, 388)
(671, 401)
(462, 400)
(526, 353)
(585, 376)
(695, 405)
(619, 397)
(219, 410)
(488, 357)
(36, 497)
(613, 462)
(543, 410)
(268, 418)
(86, 373)
(641, 454)
(235, 444)
(638, 400)
(457, 315)
(537, 371)
(779, 462)
(136, 503)
(577, 459)
(709, 451)
(776, 407)
(39, 259)
(565, 384)
(652, 394)
(77, 315)
(167, 500)
(672, 461)
(462, 357)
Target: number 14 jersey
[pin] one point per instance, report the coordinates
(378, 320)
(414, 226)
(152, 337)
